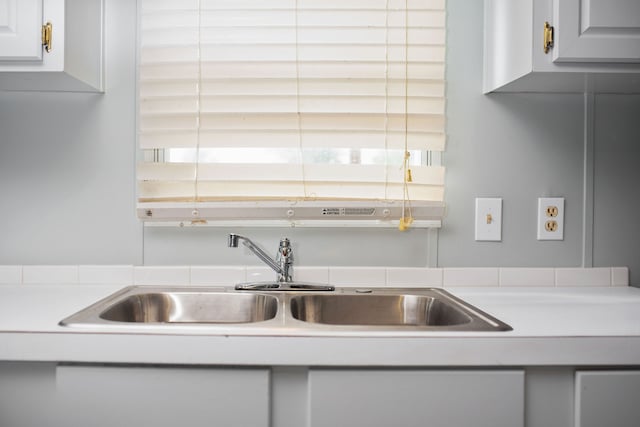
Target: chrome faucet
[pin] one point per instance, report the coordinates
(283, 263)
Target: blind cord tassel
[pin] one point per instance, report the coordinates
(407, 218)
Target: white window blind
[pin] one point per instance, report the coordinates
(304, 109)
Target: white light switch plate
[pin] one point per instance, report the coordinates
(489, 219)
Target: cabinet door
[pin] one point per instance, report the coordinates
(597, 31)
(102, 396)
(412, 398)
(20, 30)
(607, 398)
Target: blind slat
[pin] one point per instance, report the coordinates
(171, 192)
(265, 138)
(290, 104)
(422, 175)
(281, 86)
(287, 69)
(291, 121)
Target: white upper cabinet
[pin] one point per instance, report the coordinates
(597, 31)
(21, 30)
(596, 46)
(74, 60)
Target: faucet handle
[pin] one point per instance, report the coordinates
(285, 243)
(285, 260)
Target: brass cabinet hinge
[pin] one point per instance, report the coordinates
(548, 37)
(47, 30)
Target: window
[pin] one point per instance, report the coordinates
(300, 111)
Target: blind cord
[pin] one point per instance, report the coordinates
(298, 113)
(407, 217)
(386, 103)
(195, 212)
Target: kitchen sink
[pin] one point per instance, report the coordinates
(303, 310)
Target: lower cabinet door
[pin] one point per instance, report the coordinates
(607, 398)
(408, 398)
(161, 396)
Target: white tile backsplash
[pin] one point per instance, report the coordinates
(338, 276)
(619, 276)
(10, 274)
(311, 274)
(414, 277)
(471, 277)
(583, 277)
(357, 276)
(260, 274)
(527, 277)
(62, 274)
(114, 274)
(217, 276)
(161, 275)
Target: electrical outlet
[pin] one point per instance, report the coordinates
(489, 219)
(551, 218)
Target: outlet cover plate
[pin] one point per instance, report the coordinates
(488, 219)
(551, 218)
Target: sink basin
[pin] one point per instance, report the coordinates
(425, 309)
(192, 307)
(196, 306)
(393, 310)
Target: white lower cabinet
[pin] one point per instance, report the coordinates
(408, 398)
(100, 396)
(28, 394)
(607, 398)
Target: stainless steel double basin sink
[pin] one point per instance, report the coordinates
(294, 311)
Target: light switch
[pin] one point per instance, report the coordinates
(489, 219)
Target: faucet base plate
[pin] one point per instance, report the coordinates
(283, 286)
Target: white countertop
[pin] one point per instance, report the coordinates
(551, 326)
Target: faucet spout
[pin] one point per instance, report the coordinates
(281, 265)
(233, 241)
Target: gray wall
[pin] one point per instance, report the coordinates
(67, 165)
(616, 213)
(515, 146)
